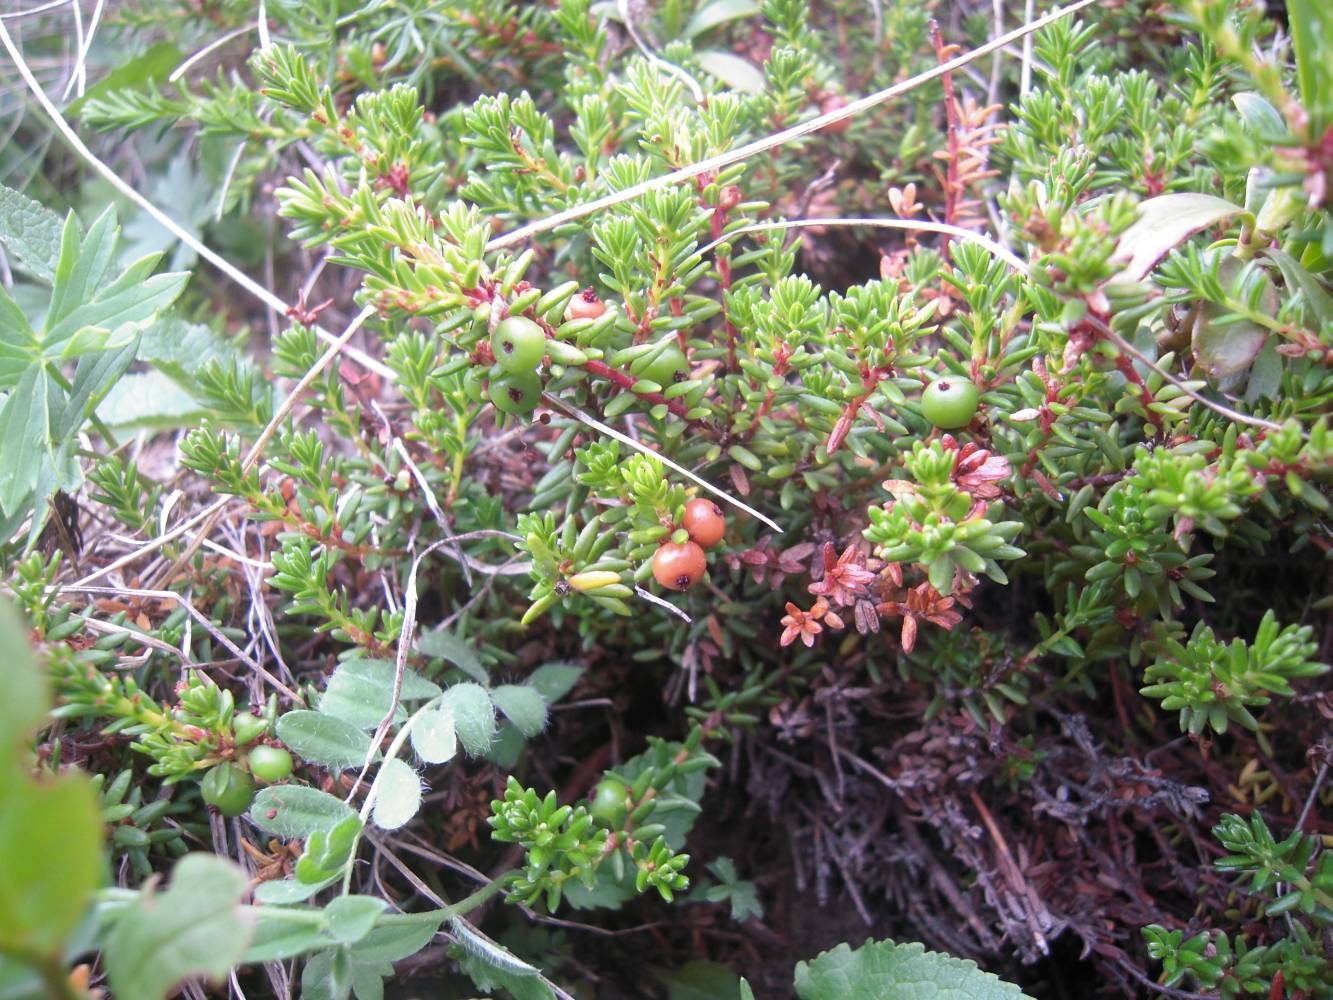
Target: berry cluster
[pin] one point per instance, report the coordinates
(679, 562)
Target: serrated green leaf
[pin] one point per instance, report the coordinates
(195, 928)
(324, 739)
(397, 795)
(881, 969)
(523, 706)
(30, 233)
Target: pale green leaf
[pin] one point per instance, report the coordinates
(149, 401)
(554, 680)
(276, 939)
(735, 72)
(474, 716)
(25, 435)
(433, 736)
(19, 346)
(699, 981)
(323, 739)
(351, 918)
(30, 233)
(1259, 115)
(448, 646)
(397, 795)
(51, 838)
(291, 811)
(284, 892)
(719, 12)
(327, 976)
(82, 264)
(394, 942)
(195, 928)
(879, 970)
(361, 691)
(523, 706)
(1164, 222)
(27, 693)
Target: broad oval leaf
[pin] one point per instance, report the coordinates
(523, 706)
(709, 16)
(324, 739)
(474, 716)
(433, 736)
(351, 918)
(284, 892)
(196, 927)
(360, 691)
(395, 941)
(1164, 222)
(554, 680)
(735, 72)
(291, 811)
(447, 646)
(397, 794)
(276, 939)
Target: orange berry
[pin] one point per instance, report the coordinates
(585, 305)
(704, 522)
(679, 567)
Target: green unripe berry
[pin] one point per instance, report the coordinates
(664, 368)
(949, 403)
(518, 344)
(474, 385)
(228, 788)
(270, 764)
(609, 806)
(516, 392)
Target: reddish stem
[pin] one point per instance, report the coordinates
(951, 186)
(1126, 368)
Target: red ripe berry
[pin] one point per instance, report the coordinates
(704, 522)
(585, 305)
(832, 102)
(679, 567)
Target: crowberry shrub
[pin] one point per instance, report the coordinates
(930, 426)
